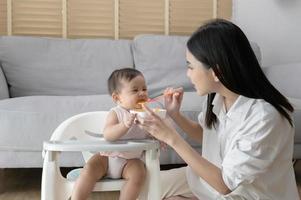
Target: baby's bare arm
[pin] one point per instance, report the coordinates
(114, 129)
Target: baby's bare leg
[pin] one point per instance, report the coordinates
(95, 168)
(134, 172)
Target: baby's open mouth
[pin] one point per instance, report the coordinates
(140, 103)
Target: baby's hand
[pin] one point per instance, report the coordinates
(128, 122)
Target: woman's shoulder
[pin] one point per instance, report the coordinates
(263, 113)
(263, 109)
(264, 125)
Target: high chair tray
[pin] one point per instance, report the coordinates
(101, 145)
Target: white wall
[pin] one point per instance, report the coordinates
(275, 25)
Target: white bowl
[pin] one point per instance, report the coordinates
(158, 111)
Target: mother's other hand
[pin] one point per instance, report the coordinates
(159, 128)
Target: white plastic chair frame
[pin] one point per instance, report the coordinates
(56, 187)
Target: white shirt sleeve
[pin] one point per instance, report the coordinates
(254, 148)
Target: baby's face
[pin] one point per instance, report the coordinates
(133, 92)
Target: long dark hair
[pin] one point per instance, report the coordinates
(223, 47)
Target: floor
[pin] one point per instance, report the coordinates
(24, 184)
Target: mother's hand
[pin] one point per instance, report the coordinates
(158, 128)
(172, 100)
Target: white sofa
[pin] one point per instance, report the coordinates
(46, 80)
(43, 81)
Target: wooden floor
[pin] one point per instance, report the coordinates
(24, 184)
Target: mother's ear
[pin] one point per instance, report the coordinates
(215, 78)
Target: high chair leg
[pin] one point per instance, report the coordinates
(153, 171)
(54, 185)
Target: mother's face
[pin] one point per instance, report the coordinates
(201, 77)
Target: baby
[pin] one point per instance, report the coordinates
(128, 89)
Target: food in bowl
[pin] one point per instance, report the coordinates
(142, 113)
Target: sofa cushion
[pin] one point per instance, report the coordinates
(28, 121)
(38, 116)
(33, 159)
(162, 59)
(53, 66)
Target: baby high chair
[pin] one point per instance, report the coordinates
(82, 133)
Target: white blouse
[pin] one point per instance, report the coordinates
(253, 146)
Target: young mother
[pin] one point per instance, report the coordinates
(245, 126)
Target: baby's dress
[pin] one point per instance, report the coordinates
(117, 160)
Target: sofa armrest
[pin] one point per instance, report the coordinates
(4, 94)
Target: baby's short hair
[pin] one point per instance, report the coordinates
(114, 81)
